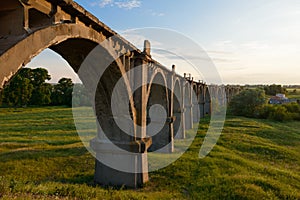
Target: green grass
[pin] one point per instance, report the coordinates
(41, 157)
(293, 95)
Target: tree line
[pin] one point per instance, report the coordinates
(29, 88)
(253, 103)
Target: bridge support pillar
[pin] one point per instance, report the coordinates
(201, 109)
(188, 117)
(207, 107)
(121, 163)
(179, 131)
(196, 115)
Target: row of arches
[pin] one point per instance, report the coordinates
(149, 104)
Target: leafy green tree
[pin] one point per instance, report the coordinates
(247, 103)
(39, 76)
(18, 92)
(62, 92)
(28, 87)
(274, 89)
(41, 94)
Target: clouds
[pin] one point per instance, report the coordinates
(124, 4)
(129, 4)
(257, 61)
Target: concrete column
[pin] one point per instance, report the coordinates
(188, 108)
(207, 105)
(171, 109)
(201, 101)
(182, 110)
(196, 114)
(127, 153)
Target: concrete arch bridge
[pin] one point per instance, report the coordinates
(30, 26)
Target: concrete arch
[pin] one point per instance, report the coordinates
(177, 81)
(228, 93)
(177, 111)
(152, 78)
(195, 103)
(157, 103)
(41, 39)
(68, 41)
(221, 96)
(188, 114)
(201, 100)
(207, 99)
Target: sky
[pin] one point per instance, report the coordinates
(249, 42)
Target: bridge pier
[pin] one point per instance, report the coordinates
(131, 161)
(207, 100)
(181, 112)
(188, 117)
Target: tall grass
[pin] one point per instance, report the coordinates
(41, 157)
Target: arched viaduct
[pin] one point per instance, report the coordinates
(30, 26)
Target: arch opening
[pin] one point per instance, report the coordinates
(188, 107)
(177, 112)
(207, 106)
(157, 115)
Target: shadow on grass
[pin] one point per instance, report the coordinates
(42, 153)
(280, 138)
(79, 179)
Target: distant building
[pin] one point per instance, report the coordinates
(280, 99)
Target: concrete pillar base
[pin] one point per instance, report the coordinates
(121, 164)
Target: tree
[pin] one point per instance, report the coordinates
(274, 89)
(18, 92)
(247, 103)
(62, 92)
(41, 94)
(28, 87)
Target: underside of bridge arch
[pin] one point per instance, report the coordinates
(158, 126)
(74, 50)
(72, 41)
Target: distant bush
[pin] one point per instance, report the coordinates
(283, 112)
(252, 103)
(265, 111)
(292, 107)
(280, 113)
(248, 103)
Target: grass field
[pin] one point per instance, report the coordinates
(41, 157)
(293, 95)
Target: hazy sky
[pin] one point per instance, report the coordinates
(255, 41)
